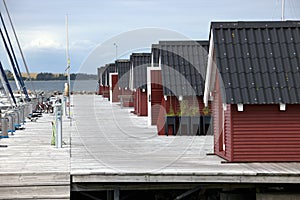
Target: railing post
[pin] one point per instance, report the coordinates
(11, 125)
(65, 113)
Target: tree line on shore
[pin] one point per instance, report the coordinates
(46, 76)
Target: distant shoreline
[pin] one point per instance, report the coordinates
(58, 85)
(76, 79)
(47, 76)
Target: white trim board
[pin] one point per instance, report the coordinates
(110, 86)
(149, 69)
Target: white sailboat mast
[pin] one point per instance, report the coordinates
(282, 9)
(68, 67)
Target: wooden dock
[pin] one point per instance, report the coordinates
(107, 146)
(30, 168)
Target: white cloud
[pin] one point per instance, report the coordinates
(39, 39)
(43, 43)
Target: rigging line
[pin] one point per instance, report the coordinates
(6, 91)
(15, 60)
(20, 49)
(7, 85)
(15, 72)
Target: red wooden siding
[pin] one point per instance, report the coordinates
(228, 132)
(260, 133)
(161, 118)
(126, 92)
(220, 117)
(156, 94)
(217, 119)
(100, 92)
(135, 102)
(263, 133)
(115, 88)
(142, 103)
(105, 92)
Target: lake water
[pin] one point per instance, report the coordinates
(49, 86)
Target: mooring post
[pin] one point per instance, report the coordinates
(23, 114)
(4, 124)
(11, 126)
(58, 125)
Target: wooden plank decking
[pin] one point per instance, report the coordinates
(30, 168)
(109, 144)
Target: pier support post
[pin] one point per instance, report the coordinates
(109, 194)
(116, 193)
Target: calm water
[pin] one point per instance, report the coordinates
(77, 86)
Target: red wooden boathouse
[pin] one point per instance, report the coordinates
(100, 80)
(154, 86)
(253, 80)
(138, 81)
(183, 66)
(123, 91)
(106, 80)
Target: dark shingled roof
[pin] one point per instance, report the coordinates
(259, 61)
(123, 67)
(100, 74)
(110, 68)
(183, 66)
(103, 79)
(139, 63)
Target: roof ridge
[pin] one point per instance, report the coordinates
(255, 24)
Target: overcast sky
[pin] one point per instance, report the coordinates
(40, 26)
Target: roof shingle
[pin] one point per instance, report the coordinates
(139, 63)
(123, 67)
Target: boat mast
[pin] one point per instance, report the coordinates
(12, 64)
(20, 49)
(282, 9)
(6, 86)
(15, 61)
(68, 68)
